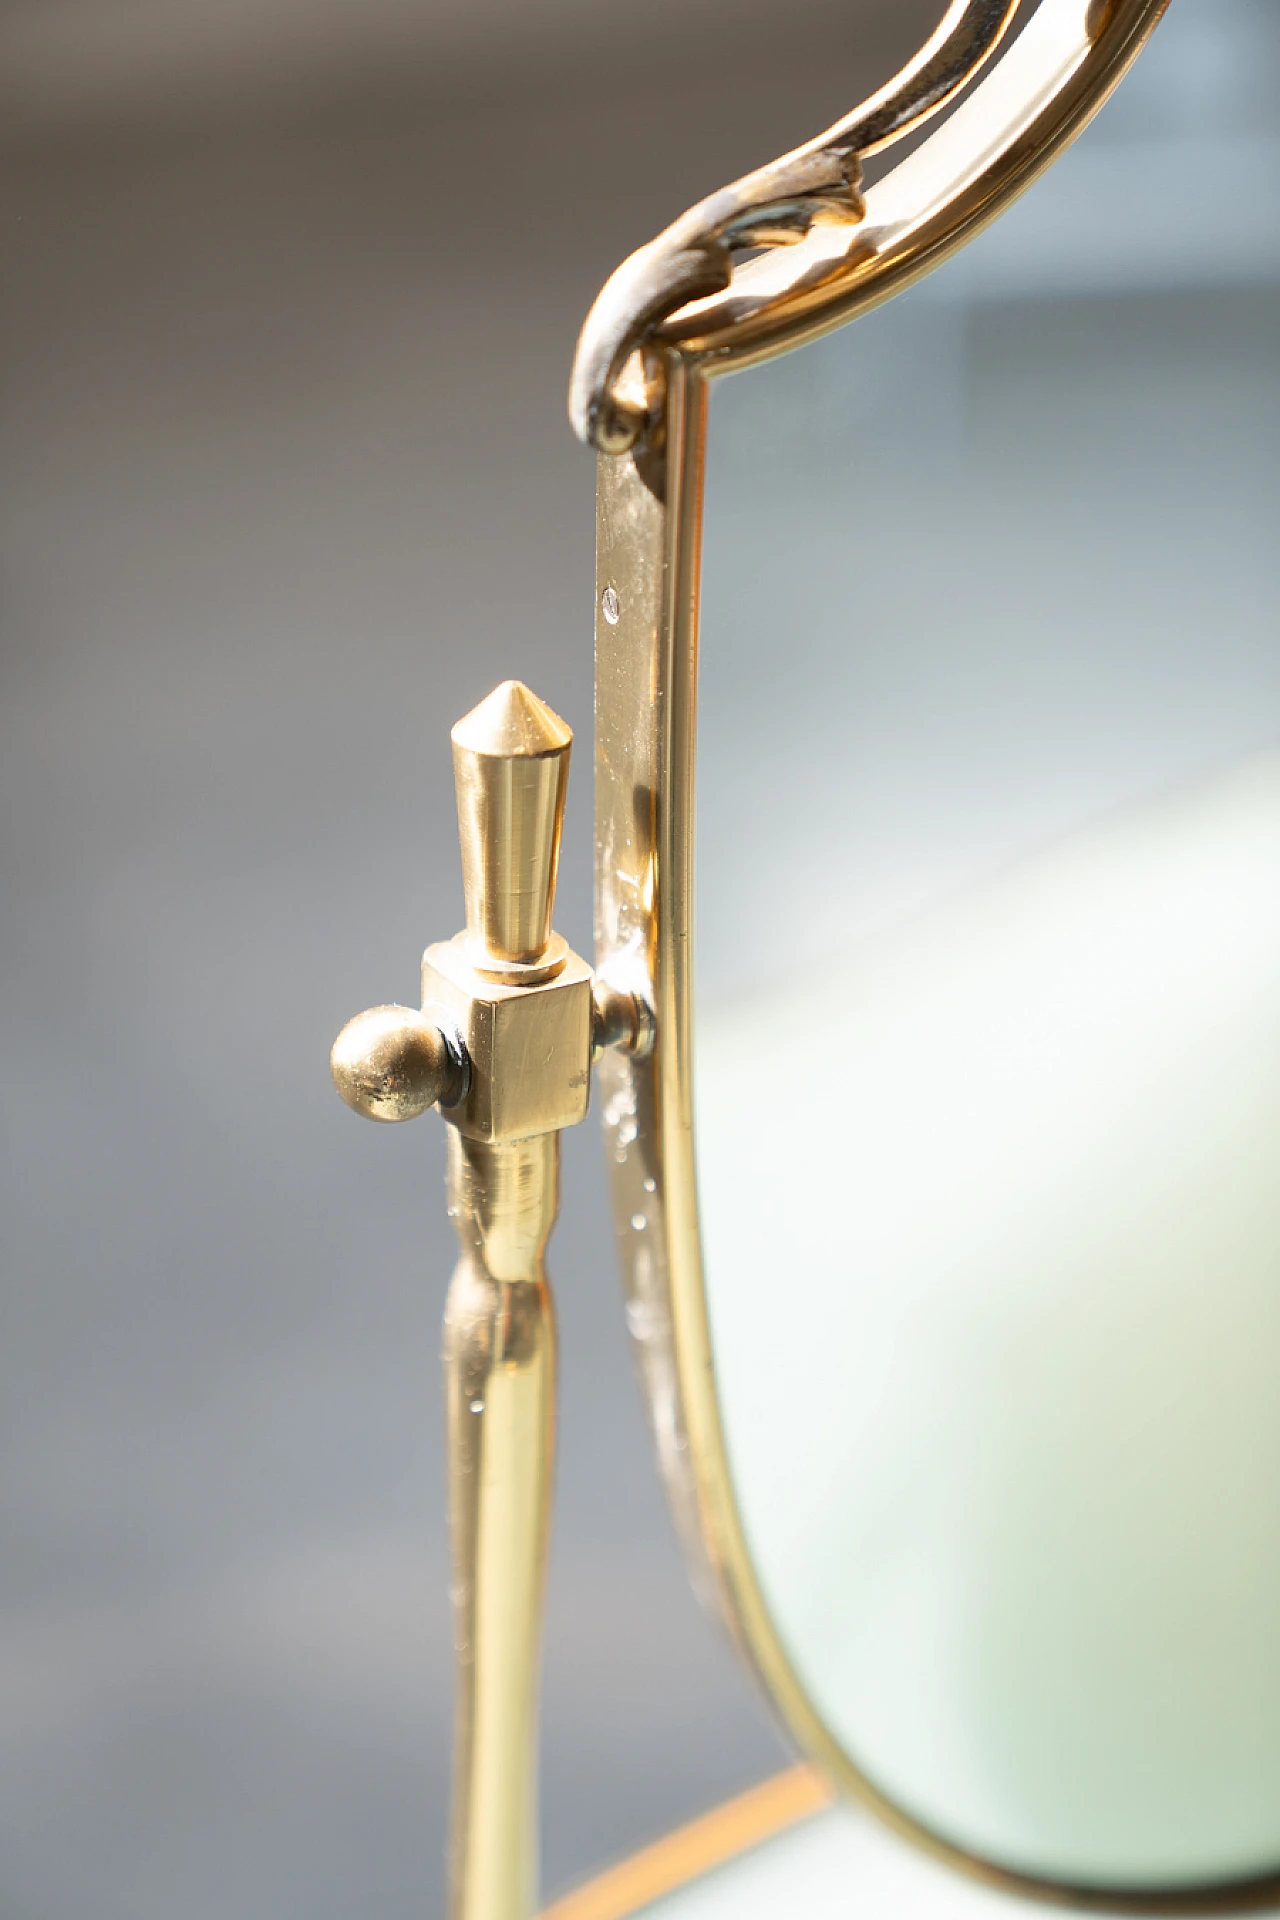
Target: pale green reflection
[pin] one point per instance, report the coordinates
(1012, 1469)
(988, 868)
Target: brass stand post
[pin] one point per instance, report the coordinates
(500, 1376)
(503, 1043)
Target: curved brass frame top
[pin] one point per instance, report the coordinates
(817, 185)
(830, 250)
(1041, 93)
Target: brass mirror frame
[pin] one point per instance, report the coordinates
(511, 1022)
(1033, 102)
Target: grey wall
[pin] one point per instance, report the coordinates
(288, 301)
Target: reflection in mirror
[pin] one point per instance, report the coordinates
(987, 1042)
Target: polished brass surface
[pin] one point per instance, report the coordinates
(819, 184)
(622, 1017)
(511, 769)
(504, 1042)
(529, 1046)
(1037, 98)
(682, 294)
(649, 511)
(643, 783)
(511, 1020)
(648, 530)
(500, 1368)
(390, 1063)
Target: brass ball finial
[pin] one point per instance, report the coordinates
(392, 1063)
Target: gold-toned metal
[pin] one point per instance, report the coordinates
(648, 532)
(683, 292)
(500, 1370)
(622, 1017)
(711, 1841)
(817, 185)
(391, 1063)
(511, 1019)
(511, 770)
(1041, 93)
(529, 1045)
(504, 1043)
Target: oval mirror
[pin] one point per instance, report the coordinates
(973, 1396)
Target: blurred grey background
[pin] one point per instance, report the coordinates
(290, 289)
(289, 296)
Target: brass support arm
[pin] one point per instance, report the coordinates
(503, 1043)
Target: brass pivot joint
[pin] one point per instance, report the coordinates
(519, 1000)
(503, 1044)
(503, 1040)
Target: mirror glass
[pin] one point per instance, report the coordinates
(987, 1042)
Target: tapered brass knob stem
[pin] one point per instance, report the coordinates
(511, 770)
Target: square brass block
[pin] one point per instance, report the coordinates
(529, 1045)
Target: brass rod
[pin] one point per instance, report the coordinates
(500, 1369)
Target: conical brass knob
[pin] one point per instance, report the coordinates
(511, 770)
